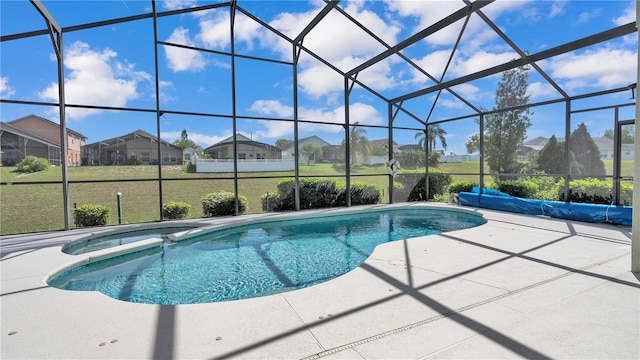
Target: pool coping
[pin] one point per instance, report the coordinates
(517, 286)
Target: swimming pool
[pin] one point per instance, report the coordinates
(258, 259)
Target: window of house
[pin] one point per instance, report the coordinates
(144, 156)
(169, 156)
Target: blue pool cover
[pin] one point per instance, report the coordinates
(611, 214)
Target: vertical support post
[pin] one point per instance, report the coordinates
(617, 143)
(390, 130)
(481, 146)
(55, 33)
(426, 162)
(158, 113)
(63, 134)
(232, 14)
(567, 150)
(635, 227)
(347, 143)
(296, 155)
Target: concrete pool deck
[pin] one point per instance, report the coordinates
(516, 287)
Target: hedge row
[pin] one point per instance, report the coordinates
(317, 193)
(590, 190)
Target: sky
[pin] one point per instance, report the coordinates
(113, 66)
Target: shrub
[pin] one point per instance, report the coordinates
(31, 164)
(317, 193)
(626, 193)
(518, 188)
(462, 186)
(91, 215)
(590, 190)
(222, 203)
(133, 161)
(175, 210)
(270, 201)
(363, 193)
(438, 183)
(191, 168)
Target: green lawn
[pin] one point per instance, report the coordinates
(38, 207)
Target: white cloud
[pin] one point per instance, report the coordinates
(5, 89)
(358, 112)
(557, 8)
(628, 16)
(429, 15)
(479, 61)
(586, 16)
(468, 91)
(339, 42)
(272, 107)
(540, 90)
(594, 68)
(95, 78)
(178, 4)
(165, 88)
(201, 139)
(179, 59)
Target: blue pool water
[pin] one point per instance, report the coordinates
(258, 259)
(115, 239)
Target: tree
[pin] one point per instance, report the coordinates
(282, 142)
(184, 141)
(473, 143)
(434, 133)
(551, 158)
(586, 152)
(358, 142)
(310, 151)
(627, 136)
(505, 131)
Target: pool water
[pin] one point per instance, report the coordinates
(258, 259)
(120, 238)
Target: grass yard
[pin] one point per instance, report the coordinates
(39, 206)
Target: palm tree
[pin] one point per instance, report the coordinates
(435, 133)
(358, 142)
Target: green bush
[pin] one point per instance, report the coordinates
(91, 215)
(133, 161)
(518, 188)
(462, 186)
(31, 164)
(439, 181)
(223, 203)
(626, 193)
(363, 193)
(270, 201)
(590, 190)
(175, 210)
(191, 168)
(317, 193)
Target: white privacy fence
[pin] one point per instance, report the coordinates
(244, 165)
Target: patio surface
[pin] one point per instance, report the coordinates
(516, 287)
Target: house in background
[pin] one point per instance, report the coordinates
(37, 136)
(189, 154)
(247, 149)
(605, 146)
(330, 152)
(137, 145)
